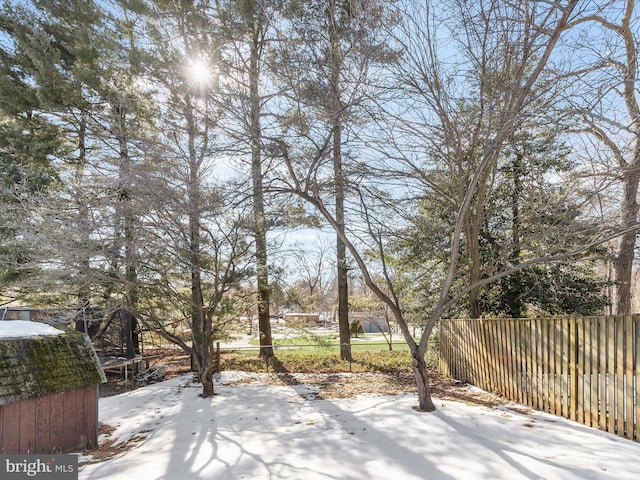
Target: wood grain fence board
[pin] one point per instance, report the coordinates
(449, 348)
(520, 385)
(486, 340)
(573, 369)
(565, 369)
(540, 364)
(448, 359)
(445, 343)
(461, 357)
(506, 354)
(498, 354)
(457, 351)
(546, 362)
(462, 353)
(452, 354)
(454, 351)
(529, 349)
(557, 367)
(580, 370)
(513, 365)
(498, 350)
(590, 352)
(471, 353)
(593, 382)
(511, 388)
(506, 347)
(602, 374)
(552, 366)
(479, 353)
(485, 356)
(611, 366)
(515, 370)
(503, 357)
(464, 329)
(493, 362)
(494, 357)
(533, 365)
(628, 377)
(619, 376)
(636, 374)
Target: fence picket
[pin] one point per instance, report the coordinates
(628, 376)
(593, 369)
(580, 367)
(552, 366)
(546, 370)
(602, 375)
(619, 376)
(511, 346)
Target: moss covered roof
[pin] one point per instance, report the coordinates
(37, 366)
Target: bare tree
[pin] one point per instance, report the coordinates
(536, 30)
(605, 100)
(312, 268)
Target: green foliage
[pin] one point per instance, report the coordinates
(548, 290)
(355, 329)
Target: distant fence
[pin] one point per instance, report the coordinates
(583, 368)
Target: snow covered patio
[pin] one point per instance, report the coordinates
(285, 432)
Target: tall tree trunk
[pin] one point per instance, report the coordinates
(341, 251)
(516, 305)
(475, 217)
(260, 229)
(626, 252)
(84, 291)
(126, 214)
(336, 106)
(199, 329)
(475, 272)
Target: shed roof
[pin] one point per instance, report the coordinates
(36, 366)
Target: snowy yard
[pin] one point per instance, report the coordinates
(285, 432)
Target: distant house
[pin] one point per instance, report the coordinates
(311, 318)
(369, 322)
(48, 389)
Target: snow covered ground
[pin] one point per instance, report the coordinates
(284, 432)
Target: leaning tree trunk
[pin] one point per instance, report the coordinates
(425, 403)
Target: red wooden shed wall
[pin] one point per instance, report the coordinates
(56, 423)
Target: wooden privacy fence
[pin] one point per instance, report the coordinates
(583, 368)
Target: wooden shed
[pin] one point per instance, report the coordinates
(48, 389)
